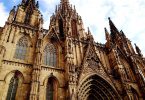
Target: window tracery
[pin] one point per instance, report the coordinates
(21, 48)
(50, 57)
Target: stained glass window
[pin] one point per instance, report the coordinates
(50, 55)
(12, 88)
(21, 48)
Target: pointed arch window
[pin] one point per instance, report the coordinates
(61, 27)
(51, 89)
(50, 57)
(12, 88)
(21, 48)
(74, 28)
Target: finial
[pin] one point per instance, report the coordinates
(107, 34)
(74, 8)
(106, 31)
(37, 4)
(56, 9)
(23, 1)
(14, 8)
(138, 50)
(109, 18)
(122, 33)
(89, 31)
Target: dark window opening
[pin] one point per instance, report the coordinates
(12, 88)
(74, 28)
(61, 28)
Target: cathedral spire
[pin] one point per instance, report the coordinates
(138, 50)
(114, 31)
(113, 28)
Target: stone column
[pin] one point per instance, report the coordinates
(35, 85)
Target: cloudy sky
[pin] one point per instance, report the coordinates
(128, 15)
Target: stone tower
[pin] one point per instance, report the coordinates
(64, 62)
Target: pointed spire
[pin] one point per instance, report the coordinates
(74, 8)
(114, 31)
(107, 34)
(90, 37)
(113, 28)
(56, 9)
(37, 4)
(122, 33)
(89, 33)
(14, 9)
(138, 50)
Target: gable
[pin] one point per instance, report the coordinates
(91, 64)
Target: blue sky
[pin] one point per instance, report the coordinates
(128, 15)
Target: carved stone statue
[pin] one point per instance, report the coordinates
(69, 47)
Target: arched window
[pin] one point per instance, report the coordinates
(61, 27)
(21, 48)
(13, 87)
(74, 28)
(51, 90)
(50, 55)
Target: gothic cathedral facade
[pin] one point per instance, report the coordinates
(64, 62)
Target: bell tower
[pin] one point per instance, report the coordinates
(69, 29)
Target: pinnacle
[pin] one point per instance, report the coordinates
(112, 26)
(64, 1)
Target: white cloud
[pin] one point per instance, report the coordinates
(127, 15)
(3, 14)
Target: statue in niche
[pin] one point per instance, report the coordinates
(72, 77)
(72, 73)
(69, 54)
(69, 47)
(73, 96)
(39, 54)
(116, 56)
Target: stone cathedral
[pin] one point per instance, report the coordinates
(64, 62)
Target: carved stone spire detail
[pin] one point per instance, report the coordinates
(64, 1)
(138, 50)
